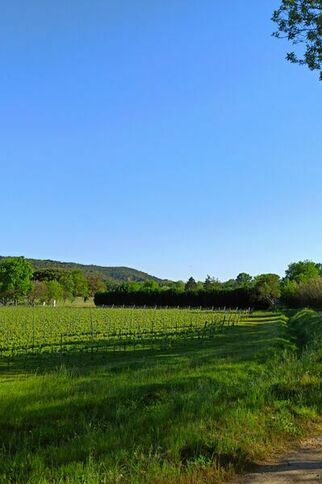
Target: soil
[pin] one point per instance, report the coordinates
(302, 465)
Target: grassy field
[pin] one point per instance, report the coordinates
(197, 410)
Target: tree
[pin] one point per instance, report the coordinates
(230, 284)
(309, 293)
(302, 271)
(300, 21)
(306, 293)
(95, 284)
(191, 285)
(55, 291)
(15, 278)
(47, 274)
(67, 282)
(39, 292)
(178, 286)
(267, 288)
(211, 283)
(150, 286)
(80, 284)
(288, 291)
(208, 283)
(244, 279)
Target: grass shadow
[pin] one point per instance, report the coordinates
(255, 339)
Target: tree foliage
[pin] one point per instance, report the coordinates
(38, 292)
(268, 288)
(80, 284)
(55, 291)
(303, 294)
(244, 279)
(300, 21)
(191, 284)
(302, 271)
(301, 286)
(95, 284)
(15, 279)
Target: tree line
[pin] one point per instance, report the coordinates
(242, 292)
(300, 287)
(19, 283)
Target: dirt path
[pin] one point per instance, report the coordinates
(303, 465)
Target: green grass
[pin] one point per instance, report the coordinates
(196, 412)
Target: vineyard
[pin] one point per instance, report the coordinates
(27, 331)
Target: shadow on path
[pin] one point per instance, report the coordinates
(303, 465)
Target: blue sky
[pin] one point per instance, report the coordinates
(169, 136)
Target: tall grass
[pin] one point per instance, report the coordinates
(195, 414)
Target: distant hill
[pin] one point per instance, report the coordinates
(106, 273)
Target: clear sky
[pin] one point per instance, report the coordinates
(167, 135)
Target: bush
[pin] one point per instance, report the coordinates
(240, 297)
(306, 327)
(303, 294)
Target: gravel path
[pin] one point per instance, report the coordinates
(303, 465)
